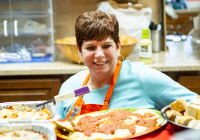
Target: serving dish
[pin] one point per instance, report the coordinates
(45, 128)
(32, 104)
(67, 47)
(175, 125)
(64, 135)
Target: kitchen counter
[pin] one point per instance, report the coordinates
(186, 11)
(180, 56)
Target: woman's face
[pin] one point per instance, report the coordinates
(100, 56)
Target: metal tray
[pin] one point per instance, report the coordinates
(32, 104)
(175, 125)
(46, 128)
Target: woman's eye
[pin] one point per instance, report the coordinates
(90, 48)
(106, 46)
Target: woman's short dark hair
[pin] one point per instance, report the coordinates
(96, 25)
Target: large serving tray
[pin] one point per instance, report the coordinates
(64, 136)
(46, 128)
(32, 104)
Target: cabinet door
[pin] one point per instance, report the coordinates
(31, 18)
(184, 23)
(29, 89)
(4, 18)
(190, 82)
(5, 29)
(30, 34)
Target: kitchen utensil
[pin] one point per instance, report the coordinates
(69, 94)
(156, 40)
(73, 114)
(67, 126)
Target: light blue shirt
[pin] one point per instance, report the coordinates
(137, 86)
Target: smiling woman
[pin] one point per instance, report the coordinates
(115, 84)
(98, 45)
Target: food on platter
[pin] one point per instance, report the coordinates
(178, 105)
(183, 120)
(194, 124)
(196, 101)
(23, 135)
(184, 113)
(26, 111)
(113, 124)
(21, 112)
(64, 126)
(193, 110)
(171, 114)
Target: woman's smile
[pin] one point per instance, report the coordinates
(100, 63)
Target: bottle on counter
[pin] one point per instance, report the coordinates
(145, 47)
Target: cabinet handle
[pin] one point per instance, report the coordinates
(178, 27)
(190, 18)
(15, 28)
(171, 26)
(5, 27)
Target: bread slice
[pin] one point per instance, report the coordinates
(178, 105)
(190, 110)
(197, 126)
(196, 101)
(171, 114)
(177, 118)
(184, 120)
(192, 123)
(193, 110)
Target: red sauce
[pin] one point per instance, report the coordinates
(112, 121)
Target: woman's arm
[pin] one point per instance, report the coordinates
(161, 89)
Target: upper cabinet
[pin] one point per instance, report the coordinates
(26, 31)
(182, 25)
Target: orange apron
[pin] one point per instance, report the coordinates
(87, 108)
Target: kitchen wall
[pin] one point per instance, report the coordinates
(66, 12)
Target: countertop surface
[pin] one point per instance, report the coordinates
(180, 56)
(187, 11)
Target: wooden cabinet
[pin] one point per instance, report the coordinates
(184, 23)
(34, 88)
(30, 88)
(190, 82)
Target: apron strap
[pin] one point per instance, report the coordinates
(112, 83)
(79, 102)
